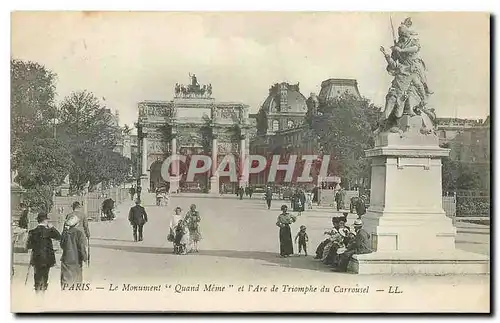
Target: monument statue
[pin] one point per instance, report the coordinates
(409, 91)
(193, 90)
(194, 80)
(66, 180)
(177, 90)
(209, 90)
(13, 175)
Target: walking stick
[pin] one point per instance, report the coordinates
(88, 243)
(29, 270)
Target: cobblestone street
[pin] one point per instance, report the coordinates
(240, 245)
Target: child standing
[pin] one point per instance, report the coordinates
(303, 239)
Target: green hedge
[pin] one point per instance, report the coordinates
(473, 206)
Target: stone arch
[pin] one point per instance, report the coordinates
(155, 178)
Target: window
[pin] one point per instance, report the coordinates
(276, 125)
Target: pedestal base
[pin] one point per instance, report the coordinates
(242, 182)
(174, 185)
(450, 262)
(410, 233)
(214, 185)
(148, 199)
(144, 184)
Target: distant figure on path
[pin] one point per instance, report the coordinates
(269, 197)
(107, 208)
(83, 222)
(137, 217)
(74, 247)
(340, 198)
(361, 206)
(132, 193)
(138, 192)
(42, 254)
(24, 219)
(285, 235)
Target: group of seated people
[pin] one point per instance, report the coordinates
(342, 243)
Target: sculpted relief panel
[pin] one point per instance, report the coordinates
(154, 110)
(225, 147)
(156, 147)
(228, 114)
(189, 139)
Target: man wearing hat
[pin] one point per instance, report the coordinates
(74, 247)
(359, 246)
(42, 255)
(137, 217)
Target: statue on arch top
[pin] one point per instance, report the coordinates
(194, 80)
(409, 91)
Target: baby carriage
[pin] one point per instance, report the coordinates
(180, 236)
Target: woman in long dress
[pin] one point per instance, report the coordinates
(178, 234)
(283, 222)
(193, 223)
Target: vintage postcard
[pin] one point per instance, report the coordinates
(250, 162)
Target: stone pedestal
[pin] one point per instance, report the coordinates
(409, 230)
(214, 185)
(148, 199)
(174, 184)
(144, 184)
(242, 181)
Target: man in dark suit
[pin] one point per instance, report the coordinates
(138, 191)
(360, 245)
(137, 218)
(42, 254)
(269, 197)
(361, 206)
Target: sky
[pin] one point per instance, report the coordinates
(130, 57)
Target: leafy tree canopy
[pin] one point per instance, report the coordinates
(343, 128)
(32, 89)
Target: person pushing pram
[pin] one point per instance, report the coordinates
(179, 232)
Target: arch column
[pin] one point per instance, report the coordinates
(174, 178)
(144, 163)
(214, 179)
(243, 179)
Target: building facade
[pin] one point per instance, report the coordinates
(469, 143)
(280, 121)
(192, 123)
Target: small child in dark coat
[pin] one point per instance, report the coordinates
(303, 239)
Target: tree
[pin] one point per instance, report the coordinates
(42, 165)
(343, 128)
(32, 91)
(84, 120)
(92, 133)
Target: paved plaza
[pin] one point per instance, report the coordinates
(240, 245)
